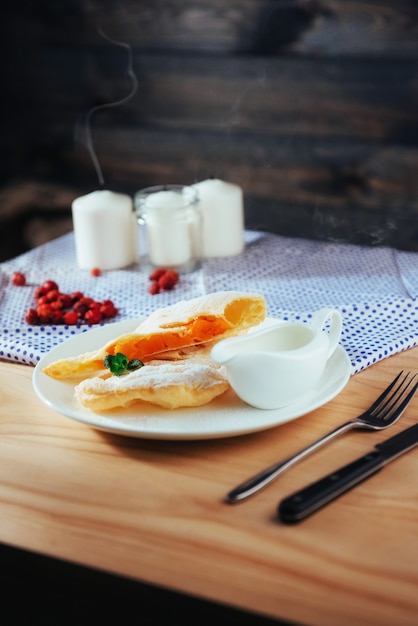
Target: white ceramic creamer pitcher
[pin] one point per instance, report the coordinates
(279, 364)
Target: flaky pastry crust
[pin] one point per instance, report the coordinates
(172, 330)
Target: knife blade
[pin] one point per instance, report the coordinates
(308, 500)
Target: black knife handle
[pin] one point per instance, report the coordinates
(303, 503)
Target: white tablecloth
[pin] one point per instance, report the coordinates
(374, 288)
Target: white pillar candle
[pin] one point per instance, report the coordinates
(169, 239)
(222, 208)
(105, 230)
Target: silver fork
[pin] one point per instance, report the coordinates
(384, 412)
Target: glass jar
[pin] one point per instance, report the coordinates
(170, 227)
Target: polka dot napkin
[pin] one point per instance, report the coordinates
(375, 289)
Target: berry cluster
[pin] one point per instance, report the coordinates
(162, 279)
(55, 307)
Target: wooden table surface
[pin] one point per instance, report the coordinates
(154, 510)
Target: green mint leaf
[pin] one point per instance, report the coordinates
(119, 363)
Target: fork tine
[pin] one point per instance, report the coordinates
(391, 409)
(401, 408)
(383, 395)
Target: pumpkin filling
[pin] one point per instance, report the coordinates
(199, 330)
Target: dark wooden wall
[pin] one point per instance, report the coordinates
(310, 105)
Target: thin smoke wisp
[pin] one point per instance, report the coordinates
(93, 110)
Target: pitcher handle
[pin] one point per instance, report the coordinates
(335, 326)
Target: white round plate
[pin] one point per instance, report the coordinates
(225, 416)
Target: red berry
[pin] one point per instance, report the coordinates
(156, 274)
(76, 295)
(95, 271)
(18, 279)
(108, 310)
(52, 295)
(44, 312)
(70, 318)
(56, 316)
(39, 292)
(31, 317)
(173, 275)
(85, 300)
(45, 307)
(48, 285)
(166, 282)
(93, 316)
(80, 308)
(56, 304)
(153, 289)
(65, 300)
